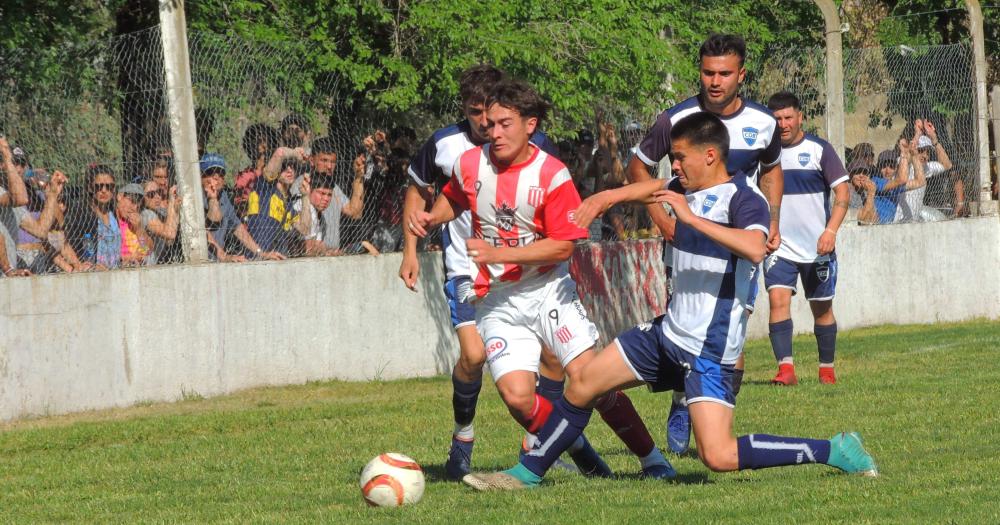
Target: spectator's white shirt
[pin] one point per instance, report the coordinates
(10, 222)
(912, 203)
(316, 227)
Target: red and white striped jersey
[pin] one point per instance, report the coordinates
(514, 207)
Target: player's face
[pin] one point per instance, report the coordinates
(720, 80)
(690, 163)
(509, 132)
(790, 124)
(476, 115)
(324, 162)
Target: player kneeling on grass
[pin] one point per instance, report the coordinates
(522, 201)
(720, 236)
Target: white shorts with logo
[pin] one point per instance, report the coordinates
(516, 321)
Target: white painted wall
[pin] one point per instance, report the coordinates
(100, 340)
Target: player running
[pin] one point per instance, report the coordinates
(755, 152)
(811, 168)
(721, 233)
(521, 201)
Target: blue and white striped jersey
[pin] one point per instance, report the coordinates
(811, 168)
(432, 166)
(754, 139)
(712, 284)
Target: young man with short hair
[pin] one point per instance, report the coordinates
(521, 201)
(812, 170)
(755, 153)
(318, 191)
(721, 234)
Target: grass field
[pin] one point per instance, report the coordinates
(924, 397)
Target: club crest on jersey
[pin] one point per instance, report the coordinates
(750, 135)
(505, 216)
(709, 203)
(535, 196)
(804, 159)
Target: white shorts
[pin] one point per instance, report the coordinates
(516, 321)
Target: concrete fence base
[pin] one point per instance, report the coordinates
(113, 339)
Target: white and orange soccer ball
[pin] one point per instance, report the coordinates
(391, 480)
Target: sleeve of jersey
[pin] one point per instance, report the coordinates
(656, 144)
(749, 211)
(560, 205)
(832, 166)
(772, 153)
(454, 190)
(422, 166)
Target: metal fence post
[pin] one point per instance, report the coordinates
(982, 106)
(834, 76)
(180, 109)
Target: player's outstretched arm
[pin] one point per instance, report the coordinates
(748, 244)
(539, 253)
(595, 205)
(638, 172)
(417, 198)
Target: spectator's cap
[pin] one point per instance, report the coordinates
(19, 156)
(132, 189)
(585, 137)
(212, 160)
(887, 158)
(858, 168)
(924, 142)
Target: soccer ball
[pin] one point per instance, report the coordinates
(391, 480)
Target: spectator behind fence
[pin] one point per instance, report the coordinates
(269, 208)
(160, 218)
(37, 244)
(324, 162)
(923, 146)
(294, 131)
(388, 234)
(221, 221)
(13, 194)
(880, 190)
(260, 142)
(318, 192)
(136, 242)
(91, 225)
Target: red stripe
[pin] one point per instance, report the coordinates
(383, 480)
(399, 463)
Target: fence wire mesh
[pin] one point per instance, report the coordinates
(268, 120)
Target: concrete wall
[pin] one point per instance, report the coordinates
(100, 340)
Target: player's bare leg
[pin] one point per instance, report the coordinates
(720, 451)
(779, 330)
(467, 381)
(825, 329)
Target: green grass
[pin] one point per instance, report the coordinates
(924, 397)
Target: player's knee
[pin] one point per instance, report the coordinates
(717, 459)
(519, 401)
(472, 362)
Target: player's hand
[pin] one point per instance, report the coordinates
(826, 243)
(678, 202)
(773, 239)
(409, 270)
(418, 222)
(482, 252)
(591, 208)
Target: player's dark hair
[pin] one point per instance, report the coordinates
(321, 182)
(257, 133)
(519, 96)
(323, 145)
(721, 45)
(783, 100)
(475, 83)
(702, 129)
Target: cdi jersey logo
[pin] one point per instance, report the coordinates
(750, 135)
(709, 203)
(804, 159)
(495, 347)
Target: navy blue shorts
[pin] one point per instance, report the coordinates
(819, 279)
(663, 365)
(462, 313)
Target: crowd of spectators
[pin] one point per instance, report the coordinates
(304, 196)
(892, 187)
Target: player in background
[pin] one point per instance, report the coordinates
(429, 171)
(521, 201)
(755, 152)
(721, 233)
(812, 170)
